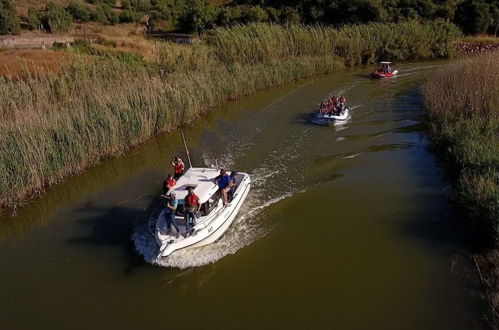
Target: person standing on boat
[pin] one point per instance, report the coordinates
(169, 183)
(223, 181)
(232, 185)
(170, 208)
(191, 208)
(178, 167)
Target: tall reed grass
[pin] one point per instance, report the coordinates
(462, 103)
(101, 104)
(463, 111)
(356, 44)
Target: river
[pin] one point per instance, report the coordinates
(346, 227)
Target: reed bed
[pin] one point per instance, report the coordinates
(463, 109)
(102, 103)
(462, 103)
(355, 44)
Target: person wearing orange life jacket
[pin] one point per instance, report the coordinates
(178, 167)
(191, 208)
(168, 183)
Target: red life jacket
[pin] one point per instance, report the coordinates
(179, 168)
(170, 182)
(342, 99)
(191, 200)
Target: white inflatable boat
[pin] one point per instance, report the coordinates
(336, 117)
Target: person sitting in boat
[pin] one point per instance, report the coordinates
(232, 185)
(170, 209)
(168, 183)
(223, 182)
(334, 100)
(342, 100)
(191, 208)
(323, 108)
(178, 167)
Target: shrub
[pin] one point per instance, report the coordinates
(254, 14)
(9, 22)
(33, 19)
(128, 16)
(104, 14)
(55, 19)
(290, 16)
(78, 12)
(112, 17)
(197, 16)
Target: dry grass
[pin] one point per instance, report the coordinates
(122, 37)
(16, 63)
(463, 113)
(104, 102)
(57, 125)
(23, 5)
(467, 89)
(484, 39)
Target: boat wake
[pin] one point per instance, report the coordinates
(247, 228)
(278, 177)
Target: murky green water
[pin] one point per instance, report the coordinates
(346, 227)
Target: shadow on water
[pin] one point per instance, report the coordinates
(114, 227)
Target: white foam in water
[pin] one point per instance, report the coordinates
(246, 229)
(351, 156)
(272, 182)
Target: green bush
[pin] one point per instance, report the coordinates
(112, 17)
(128, 16)
(55, 19)
(78, 12)
(9, 22)
(103, 13)
(33, 19)
(197, 16)
(254, 14)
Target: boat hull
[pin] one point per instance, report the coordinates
(378, 74)
(332, 118)
(208, 230)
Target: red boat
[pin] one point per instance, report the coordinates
(384, 71)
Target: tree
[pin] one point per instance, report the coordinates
(9, 22)
(290, 15)
(55, 19)
(197, 16)
(473, 16)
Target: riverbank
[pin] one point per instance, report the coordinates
(103, 102)
(476, 45)
(463, 118)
